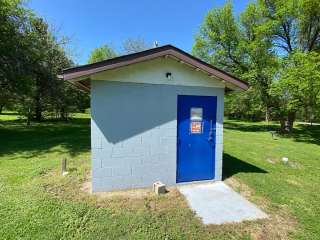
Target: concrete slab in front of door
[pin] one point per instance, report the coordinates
(217, 203)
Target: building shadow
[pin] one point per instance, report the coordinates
(233, 165)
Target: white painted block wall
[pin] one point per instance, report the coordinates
(134, 130)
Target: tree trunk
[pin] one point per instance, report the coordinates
(290, 121)
(38, 110)
(38, 107)
(282, 125)
(1, 108)
(28, 121)
(29, 117)
(63, 114)
(286, 122)
(267, 114)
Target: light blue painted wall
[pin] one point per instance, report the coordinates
(134, 130)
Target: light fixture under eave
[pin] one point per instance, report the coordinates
(169, 75)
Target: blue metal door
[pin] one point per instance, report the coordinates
(196, 138)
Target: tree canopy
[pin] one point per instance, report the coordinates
(265, 46)
(31, 58)
(101, 53)
(130, 45)
(133, 45)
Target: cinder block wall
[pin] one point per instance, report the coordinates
(134, 130)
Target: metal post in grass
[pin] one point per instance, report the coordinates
(64, 167)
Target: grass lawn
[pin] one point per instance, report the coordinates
(36, 202)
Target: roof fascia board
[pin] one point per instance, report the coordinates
(83, 72)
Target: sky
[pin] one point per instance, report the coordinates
(91, 23)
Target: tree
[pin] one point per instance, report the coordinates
(239, 47)
(14, 71)
(132, 45)
(298, 87)
(244, 105)
(258, 46)
(101, 53)
(294, 26)
(30, 60)
(105, 52)
(46, 59)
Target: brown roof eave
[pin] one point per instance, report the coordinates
(167, 50)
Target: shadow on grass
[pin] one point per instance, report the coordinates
(233, 165)
(39, 138)
(305, 133)
(250, 126)
(301, 133)
(8, 113)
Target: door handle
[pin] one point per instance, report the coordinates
(210, 139)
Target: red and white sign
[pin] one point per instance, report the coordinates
(196, 127)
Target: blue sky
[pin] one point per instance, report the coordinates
(90, 24)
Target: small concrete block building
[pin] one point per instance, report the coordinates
(156, 115)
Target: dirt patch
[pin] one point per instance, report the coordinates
(271, 160)
(86, 187)
(293, 182)
(136, 199)
(280, 223)
(131, 193)
(295, 165)
(71, 188)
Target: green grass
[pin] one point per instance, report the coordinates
(295, 185)
(36, 202)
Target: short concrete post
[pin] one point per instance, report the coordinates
(159, 188)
